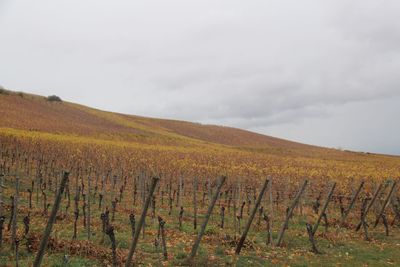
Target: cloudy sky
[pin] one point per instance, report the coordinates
(319, 72)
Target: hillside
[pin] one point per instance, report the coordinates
(34, 113)
(174, 145)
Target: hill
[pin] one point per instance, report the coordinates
(203, 147)
(34, 113)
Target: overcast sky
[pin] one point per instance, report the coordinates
(319, 72)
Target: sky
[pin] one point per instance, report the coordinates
(319, 72)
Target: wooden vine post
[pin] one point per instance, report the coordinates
(396, 210)
(1, 193)
(290, 212)
(195, 185)
(2, 220)
(315, 228)
(364, 215)
(88, 201)
(389, 196)
(14, 213)
(311, 238)
(353, 201)
(204, 225)
(45, 238)
(250, 220)
(141, 221)
(2, 217)
(271, 215)
(311, 230)
(363, 222)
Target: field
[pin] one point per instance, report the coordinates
(111, 160)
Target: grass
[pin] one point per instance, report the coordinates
(56, 260)
(250, 260)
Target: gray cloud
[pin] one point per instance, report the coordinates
(272, 67)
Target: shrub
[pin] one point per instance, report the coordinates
(3, 91)
(54, 98)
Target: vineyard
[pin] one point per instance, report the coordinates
(84, 187)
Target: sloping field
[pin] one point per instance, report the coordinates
(214, 147)
(35, 113)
